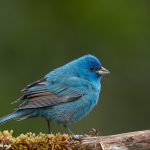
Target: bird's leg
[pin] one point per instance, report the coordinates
(74, 137)
(49, 126)
(68, 130)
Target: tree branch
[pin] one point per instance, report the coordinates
(139, 140)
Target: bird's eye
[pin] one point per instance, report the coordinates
(92, 68)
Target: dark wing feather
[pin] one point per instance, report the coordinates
(37, 95)
(44, 100)
(31, 89)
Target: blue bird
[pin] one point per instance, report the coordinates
(64, 96)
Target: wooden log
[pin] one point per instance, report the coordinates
(139, 140)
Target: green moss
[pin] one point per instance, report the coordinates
(36, 142)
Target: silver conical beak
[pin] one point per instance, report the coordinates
(102, 71)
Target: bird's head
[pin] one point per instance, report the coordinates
(89, 67)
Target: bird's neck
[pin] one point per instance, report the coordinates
(95, 81)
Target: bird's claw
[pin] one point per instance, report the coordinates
(77, 137)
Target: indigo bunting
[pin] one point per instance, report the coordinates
(65, 95)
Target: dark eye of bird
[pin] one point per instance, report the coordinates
(92, 68)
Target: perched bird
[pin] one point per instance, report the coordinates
(65, 95)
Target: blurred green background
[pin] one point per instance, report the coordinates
(38, 36)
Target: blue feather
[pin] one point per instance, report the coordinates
(65, 95)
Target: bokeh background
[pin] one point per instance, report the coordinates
(38, 36)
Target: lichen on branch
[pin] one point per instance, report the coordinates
(38, 142)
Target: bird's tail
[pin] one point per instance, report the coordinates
(15, 115)
(8, 117)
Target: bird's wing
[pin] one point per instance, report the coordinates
(44, 93)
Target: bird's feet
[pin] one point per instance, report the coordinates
(77, 137)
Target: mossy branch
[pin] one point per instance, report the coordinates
(139, 140)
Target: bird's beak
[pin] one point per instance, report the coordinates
(102, 71)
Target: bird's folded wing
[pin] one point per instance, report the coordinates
(43, 93)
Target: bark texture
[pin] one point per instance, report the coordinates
(139, 140)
